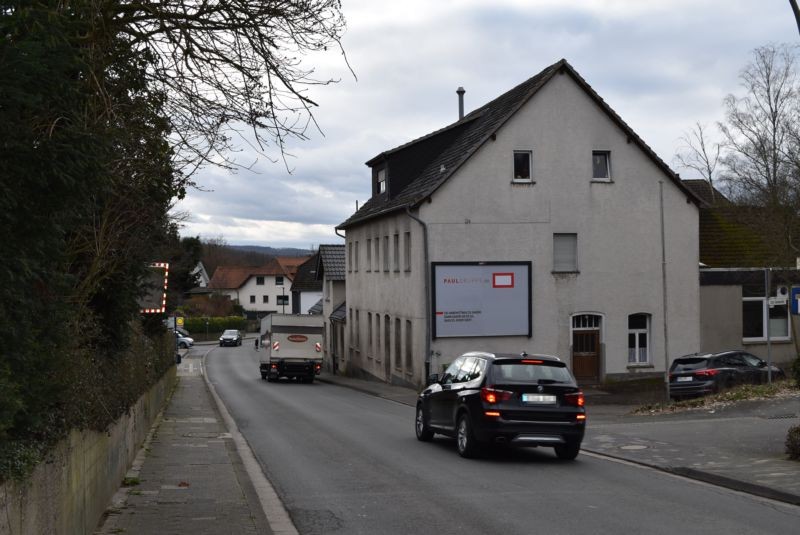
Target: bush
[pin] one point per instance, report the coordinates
(796, 371)
(215, 325)
(793, 443)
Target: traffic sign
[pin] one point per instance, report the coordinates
(795, 301)
(179, 321)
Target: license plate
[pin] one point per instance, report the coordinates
(539, 399)
(684, 379)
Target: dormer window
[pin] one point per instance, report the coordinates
(381, 181)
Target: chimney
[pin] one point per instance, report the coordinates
(460, 92)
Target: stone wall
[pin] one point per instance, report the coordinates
(70, 490)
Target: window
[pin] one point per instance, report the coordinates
(377, 251)
(278, 280)
(381, 178)
(397, 252)
(357, 326)
(522, 165)
(352, 334)
(369, 255)
(387, 346)
(397, 341)
(355, 257)
(452, 371)
(350, 256)
(407, 251)
(265, 299)
(386, 253)
(252, 298)
(638, 338)
(409, 345)
(260, 281)
(756, 312)
(369, 332)
(565, 252)
(378, 337)
(601, 165)
(283, 300)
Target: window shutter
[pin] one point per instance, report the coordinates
(565, 249)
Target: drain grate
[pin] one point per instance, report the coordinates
(782, 417)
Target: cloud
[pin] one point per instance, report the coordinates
(662, 65)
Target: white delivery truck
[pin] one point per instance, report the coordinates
(292, 346)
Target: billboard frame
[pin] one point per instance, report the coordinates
(432, 311)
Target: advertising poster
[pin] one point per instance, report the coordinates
(481, 299)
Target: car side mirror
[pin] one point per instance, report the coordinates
(432, 378)
(762, 364)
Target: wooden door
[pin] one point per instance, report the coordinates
(586, 356)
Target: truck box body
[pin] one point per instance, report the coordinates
(292, 346)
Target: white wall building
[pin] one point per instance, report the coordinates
(545, 182)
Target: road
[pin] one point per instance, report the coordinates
(346, 462)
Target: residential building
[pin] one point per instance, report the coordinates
(331, 271)
(539, 222)
(259, 290)
(306, 287)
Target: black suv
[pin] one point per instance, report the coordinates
(522, 400)
(696, 375)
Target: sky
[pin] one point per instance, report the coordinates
(662, 65)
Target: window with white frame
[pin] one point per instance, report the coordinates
(260, 280)
(638, 338)
(756, 313)
(278, 280)
(283, 300)
(523, 165)
(565, 253)
(381, 179)
(601, 165)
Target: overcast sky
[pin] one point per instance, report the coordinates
(661, 65)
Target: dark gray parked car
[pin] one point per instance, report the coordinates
(697, 375)
(231, 337)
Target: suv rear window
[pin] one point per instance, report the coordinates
(517, 372)
(689, 364)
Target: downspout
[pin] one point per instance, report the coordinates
(427, 292)
(664, 287)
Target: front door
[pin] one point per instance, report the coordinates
(586, 356)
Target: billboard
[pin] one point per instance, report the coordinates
(481, 299)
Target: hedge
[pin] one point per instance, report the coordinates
(198, 324)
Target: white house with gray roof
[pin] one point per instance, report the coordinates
(539, 222)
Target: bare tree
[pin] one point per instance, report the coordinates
(760, 163)
(699, 154)
(226, 65)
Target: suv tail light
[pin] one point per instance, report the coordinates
(707, 373)
(575, 399)
(492, 396)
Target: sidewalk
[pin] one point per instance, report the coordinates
(189, 479)
(738, 447)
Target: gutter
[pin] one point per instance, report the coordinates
(427, 291)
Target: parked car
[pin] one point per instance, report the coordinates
(700, 374)
(230, 337)
(184, 342)
(492, 398)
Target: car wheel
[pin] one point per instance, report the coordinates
(309, 379)
(271, 379)
(183, 345)
(424, 432)
(466, 443)
(568, 451)
(263, 376)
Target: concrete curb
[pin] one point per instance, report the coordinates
(278, 517)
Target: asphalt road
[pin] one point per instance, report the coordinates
(346, 462)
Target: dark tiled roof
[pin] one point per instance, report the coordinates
(305, 280)
(445, 150)
(340, 313)
(290, 264)
(316, 308)
(708, 194)
(730, 236)
(332, 261)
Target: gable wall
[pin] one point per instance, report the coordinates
(618, 228)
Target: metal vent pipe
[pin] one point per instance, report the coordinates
(460, 92)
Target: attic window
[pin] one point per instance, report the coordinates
(381, 181)
(522, 165)
(601, 165)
